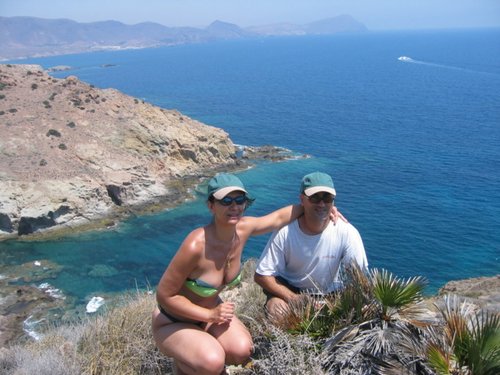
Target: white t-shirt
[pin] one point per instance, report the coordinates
(312, 262)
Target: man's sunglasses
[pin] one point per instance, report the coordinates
(316, 198)
(227, 201)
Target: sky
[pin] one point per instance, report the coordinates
(375, 14)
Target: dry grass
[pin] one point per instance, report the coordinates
(278, 352)
(116, 342)
(56, 354)
(121, 341)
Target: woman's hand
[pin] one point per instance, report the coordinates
(223, 313)
(335, 215)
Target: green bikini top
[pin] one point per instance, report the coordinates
(204, 289)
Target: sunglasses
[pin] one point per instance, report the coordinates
(316, 198)
(227, 201)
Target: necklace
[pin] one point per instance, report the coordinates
(230, 252)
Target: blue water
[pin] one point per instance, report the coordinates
(413, 147)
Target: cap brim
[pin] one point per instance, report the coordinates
(221, 193)
(318, 189)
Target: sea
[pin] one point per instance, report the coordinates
(407, 123)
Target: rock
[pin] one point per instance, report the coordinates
(91, 153)
(267, 152)
(59, 68)
(20, 305)
(484, 292)
(102, 270)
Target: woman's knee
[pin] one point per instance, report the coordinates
(211, 361)
(240, 350)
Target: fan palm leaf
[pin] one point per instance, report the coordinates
(468, 343)
(483, 350)
(393, 292)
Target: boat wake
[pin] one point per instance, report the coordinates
(407, 59)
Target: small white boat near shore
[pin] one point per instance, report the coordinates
(94, 304)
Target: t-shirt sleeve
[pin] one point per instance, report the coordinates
(355, 250)
(272, 261)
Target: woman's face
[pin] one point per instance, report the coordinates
(230, 208)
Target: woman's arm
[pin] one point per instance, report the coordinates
(281, 217)
(274, 220)
(179, 269)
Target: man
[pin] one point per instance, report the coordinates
(306, 255)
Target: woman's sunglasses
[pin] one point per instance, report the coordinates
(227, 201)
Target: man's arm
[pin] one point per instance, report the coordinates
(272, 286)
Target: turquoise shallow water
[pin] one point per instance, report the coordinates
(412, 147)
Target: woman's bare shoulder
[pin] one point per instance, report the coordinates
(194, 243)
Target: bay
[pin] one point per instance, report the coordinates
(412, 147)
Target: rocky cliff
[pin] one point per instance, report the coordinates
(71, 153)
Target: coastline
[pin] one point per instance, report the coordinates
(17, 328)
(97, 156)
(25, 303)
(180, 190)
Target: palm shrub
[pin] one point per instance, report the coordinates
(468, 342)
(387, 331)
(320, 316)
(375, 321)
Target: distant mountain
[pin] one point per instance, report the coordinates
(328, 26)
(22, 37)
(224, 30)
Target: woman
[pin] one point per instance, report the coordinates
(192, 324)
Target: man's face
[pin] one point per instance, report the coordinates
(317, 206)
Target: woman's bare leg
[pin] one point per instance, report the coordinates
(194, 351)
(235, 339)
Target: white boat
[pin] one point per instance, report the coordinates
(404, 58)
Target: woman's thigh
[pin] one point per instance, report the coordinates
(235, 339)
(186, 342)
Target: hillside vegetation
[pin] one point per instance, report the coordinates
(379, 324)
